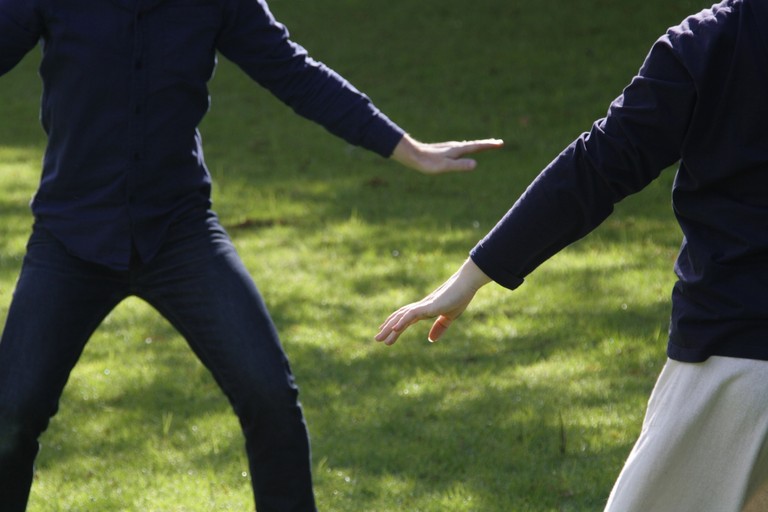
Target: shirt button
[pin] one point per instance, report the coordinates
(138, 64)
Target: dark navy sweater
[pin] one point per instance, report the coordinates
(124, 89)
(700, 99)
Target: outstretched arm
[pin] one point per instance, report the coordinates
(440, 157)
(641, 135)
(446, 303)
(260, 45)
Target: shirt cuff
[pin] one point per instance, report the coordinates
(493, 269)
(382, 135)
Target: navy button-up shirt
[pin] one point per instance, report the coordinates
(124, 89)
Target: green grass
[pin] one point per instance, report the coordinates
(531, 402)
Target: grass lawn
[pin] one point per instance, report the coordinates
(530, 403)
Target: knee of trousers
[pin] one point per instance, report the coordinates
(253, 391)
(18, 441)
(265, 398)
(267, 403)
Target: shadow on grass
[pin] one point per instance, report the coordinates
(536, 423)
(531, 421)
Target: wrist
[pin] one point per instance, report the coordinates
(407, 151)
(471, 275)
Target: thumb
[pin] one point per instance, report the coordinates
(438, 328)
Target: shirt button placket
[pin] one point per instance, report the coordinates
(136, 147)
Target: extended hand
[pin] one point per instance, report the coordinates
(446, 303)
(440, 157)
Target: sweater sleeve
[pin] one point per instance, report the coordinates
(641, 135)
(260, 45)
(19, 31)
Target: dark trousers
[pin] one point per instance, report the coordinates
(198, 282)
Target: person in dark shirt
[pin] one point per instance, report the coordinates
(700, 99)
(123, 209)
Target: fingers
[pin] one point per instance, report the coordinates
(396, 324)
(406, 316)
(388, 334)
(438, 328)
(476, 146)
(399, 321)
(391, 338)
(469, 146)
(441, 157)
(452, 153)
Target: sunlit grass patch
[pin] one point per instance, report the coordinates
(529, 403)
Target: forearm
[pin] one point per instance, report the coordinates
(563, 204)
(642, 135)
(260, 45)
(323, 96)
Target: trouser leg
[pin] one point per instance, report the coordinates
(199, 283)
(703, 444)
(56, 306)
